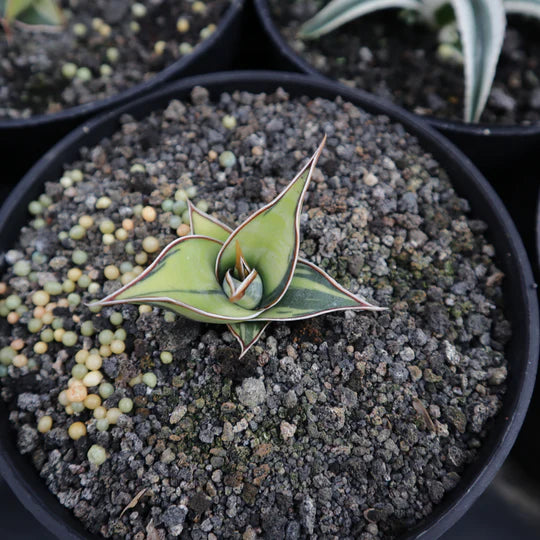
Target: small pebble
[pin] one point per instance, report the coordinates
(150, 379)
(97, 455)
(45, 424)
(227, 159)
(77, 430)
(150, 244)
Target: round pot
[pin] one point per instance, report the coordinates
(522, 306)
(23, 141)
(492, 147)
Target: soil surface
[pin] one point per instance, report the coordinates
(107, 46)
(384, 55)
(350, 425)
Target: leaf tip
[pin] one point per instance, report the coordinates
(191, 209)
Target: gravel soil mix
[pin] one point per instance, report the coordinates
(350, 425)
(384, 55)
(106, 47)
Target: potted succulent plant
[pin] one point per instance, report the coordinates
(142, 421)
(248, 288)
(462, 42)
(64, 61)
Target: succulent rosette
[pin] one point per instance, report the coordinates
(244, 278)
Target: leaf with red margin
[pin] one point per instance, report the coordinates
(270, 238)
(182, 279)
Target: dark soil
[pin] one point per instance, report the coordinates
(382, 54)
(352, 425)
(31, 66)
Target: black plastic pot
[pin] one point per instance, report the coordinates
(491, 147)
(537, 231)
(519, 290)
(23, 141)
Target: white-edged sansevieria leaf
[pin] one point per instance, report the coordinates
(481, 25)
(247, 334)
(205, 225)
(339, 12)
(523, 7)
(313, 292)
(182, 279)
(270, 238)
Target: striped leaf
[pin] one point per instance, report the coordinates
(313, 292)
(523, 7)
(247, 333)
(182, 279)
(481, 25)
(270, 238)
(205, 225)
(339, 12)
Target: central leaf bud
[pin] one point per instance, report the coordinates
(241, 284)
(246, 293)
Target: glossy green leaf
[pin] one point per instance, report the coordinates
(339, 12)
(247, 333)
(206, 225)
(313, 292)
(481, 27)
(182, 279)
(270, 238)
(523, 7)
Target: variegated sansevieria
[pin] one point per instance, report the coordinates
(245, 278)
(469, 30)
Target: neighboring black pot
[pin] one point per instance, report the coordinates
(520, 296)
(537, 231)
(23, 141)
(491, 147)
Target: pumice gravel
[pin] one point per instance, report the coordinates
(351, 425)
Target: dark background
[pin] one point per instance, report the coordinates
(510, 507)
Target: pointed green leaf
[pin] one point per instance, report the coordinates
(339, 12)
(313, 292)
(206, 225)
(269, 239)
(247, 333)
(481, 27)
(182, 279)
(523, 7)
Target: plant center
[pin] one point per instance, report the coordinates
(242, 284)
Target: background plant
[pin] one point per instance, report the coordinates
(244, 278)
(31, 13)
(480, 28)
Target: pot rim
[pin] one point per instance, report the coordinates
(481, 129)
(498, 442)
(537, 231)
(172, 71)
